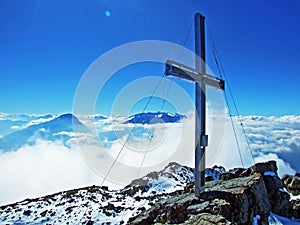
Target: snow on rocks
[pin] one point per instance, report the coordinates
(98, 205)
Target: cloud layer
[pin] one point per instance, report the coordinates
(43, 166)
(275, 137)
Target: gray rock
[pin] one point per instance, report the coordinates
(265, 166)
(292, 184)
(221, 202)
(233, 173)
(273, 183)
(207, 219)
(198, 208)
(280, 203)
(295, 208)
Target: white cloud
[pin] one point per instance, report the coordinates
(44, 168)
(70, 134)
(275, 136)
(38, 121)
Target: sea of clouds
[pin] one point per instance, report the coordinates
(47, 166)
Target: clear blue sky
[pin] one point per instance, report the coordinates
(46, 45)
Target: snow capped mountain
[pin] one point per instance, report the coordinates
(145, 126)
(57, 128)
(154, 118)
(24, 129)
(98, 205)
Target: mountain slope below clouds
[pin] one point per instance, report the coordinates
(51, 130)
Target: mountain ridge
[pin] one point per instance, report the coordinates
(48, 129)
(154, 118)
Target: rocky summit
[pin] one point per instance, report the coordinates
(239, 196)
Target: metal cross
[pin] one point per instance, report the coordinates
(201, 79)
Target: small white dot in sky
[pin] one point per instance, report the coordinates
(107, 13)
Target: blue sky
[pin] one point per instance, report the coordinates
(46, 46)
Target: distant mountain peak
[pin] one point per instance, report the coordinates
(68, 117)
(154, 118)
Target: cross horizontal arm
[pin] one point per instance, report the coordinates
(181, 71)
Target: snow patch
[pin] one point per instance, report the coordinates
(269, 173)
(255, 220)
(279, 220)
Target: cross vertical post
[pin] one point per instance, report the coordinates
(200, 114)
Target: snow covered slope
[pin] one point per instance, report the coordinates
(81, 206)
(98, 205)
(172, 178)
